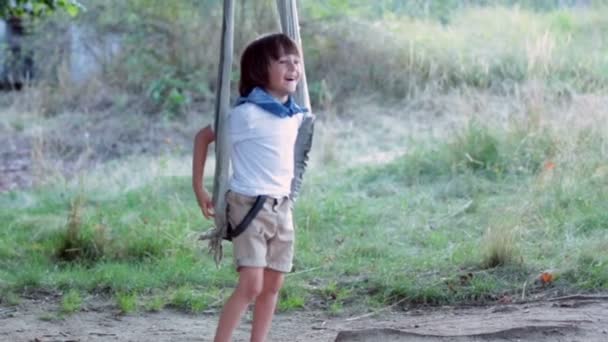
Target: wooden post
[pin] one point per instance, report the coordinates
(288, 13)
(222, 106)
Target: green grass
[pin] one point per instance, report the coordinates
(155, 303)
(464, 218)
(193, 300)
(126, 302)
(292, 296)
(8, 298)
(71, 302)
(473, 49)
(459, 221)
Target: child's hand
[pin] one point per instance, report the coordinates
(206, 205)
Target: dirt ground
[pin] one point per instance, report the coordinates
(575, 318)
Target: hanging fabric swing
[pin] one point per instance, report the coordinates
(288, 14)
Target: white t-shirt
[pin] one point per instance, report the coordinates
(262, 151)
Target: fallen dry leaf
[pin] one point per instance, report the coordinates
(546, 278)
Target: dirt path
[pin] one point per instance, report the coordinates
(582, 319)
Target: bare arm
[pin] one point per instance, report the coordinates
(202, 140)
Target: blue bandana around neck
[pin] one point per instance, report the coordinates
(261, 98)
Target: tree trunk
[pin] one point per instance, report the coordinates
(18, 62)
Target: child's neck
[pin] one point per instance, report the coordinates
(282, 98)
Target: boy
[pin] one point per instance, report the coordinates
(262, 130)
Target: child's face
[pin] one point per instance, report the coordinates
(283, 76)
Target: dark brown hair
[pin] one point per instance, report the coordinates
(257, 56)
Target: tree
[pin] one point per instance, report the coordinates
(18, 64)
(36, 8)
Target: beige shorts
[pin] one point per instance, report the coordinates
(269, 240)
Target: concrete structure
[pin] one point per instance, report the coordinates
(87, 54)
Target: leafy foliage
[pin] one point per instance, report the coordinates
(37, 8)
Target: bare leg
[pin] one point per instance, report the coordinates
(249, 287)
(265, 305)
